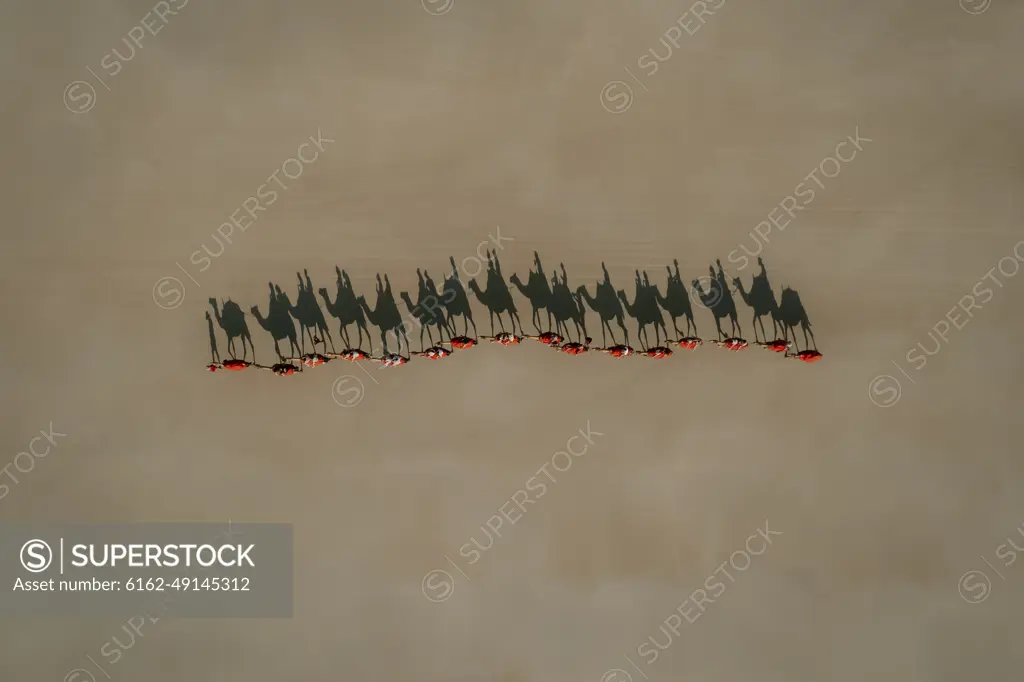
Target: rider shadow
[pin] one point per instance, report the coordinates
(792, 315)
(385, 316)
(567, 306)
(497, 297)
(346, 309)
(278, 322)
(214, 353)
(231, 319)
(538, 291)
(607, 305)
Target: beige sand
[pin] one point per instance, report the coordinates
(494, 114)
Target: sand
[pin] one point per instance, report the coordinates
(445, 128)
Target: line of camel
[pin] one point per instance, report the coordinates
(437, 310)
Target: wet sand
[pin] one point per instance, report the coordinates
(444, 129)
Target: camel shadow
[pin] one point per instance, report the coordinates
(676, 302)
(719, 301)
(496, 297)
(310, 317)
(456, 301)
(791, 315)
(214, 353)
(385, 315)
(278, 322)
(607, 305)
(645, 310)
(231, 319)
(427, 311)
(566, 306)
(537, 291)
(761, 300)
(345, 308)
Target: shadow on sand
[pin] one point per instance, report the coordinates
(537, 290)
(645, 309)
(607, 305)
(435, 312)
(761, 300)
(214, 353)
(456, 301)
(497, 297)
(231, 319)
(428, 312)
(718, 299)
(346, 309)
(385, 315)
(278, 322)
(310, 317)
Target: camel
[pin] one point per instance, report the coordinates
(385, 316)
(719, 306)
(232, 320)
(547, 338)
(230, 365)
(281, 369)
(792, 314)
(617, 351)
(676, 301)
(427, 313)
(456, 302)
(435, 353)
(280, 326)
(574, 348)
